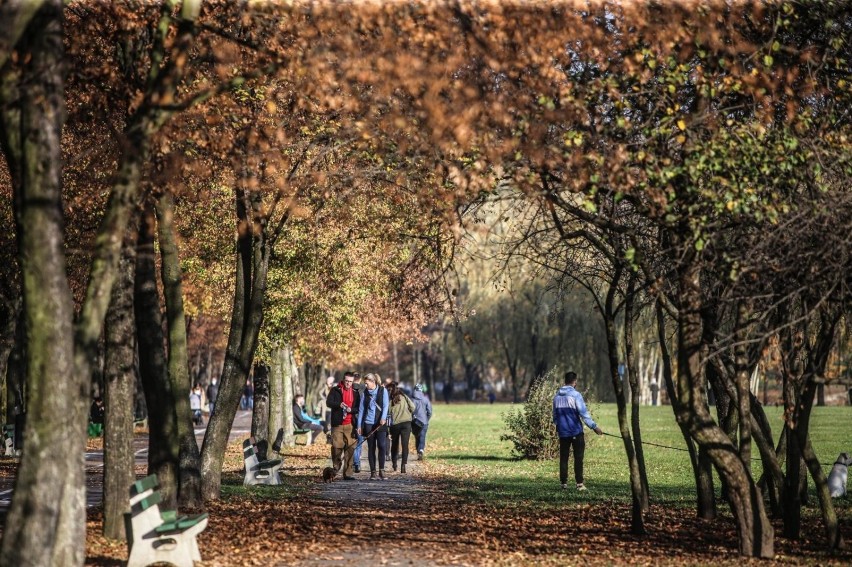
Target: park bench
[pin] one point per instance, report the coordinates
(9, 439)
(155, 536)
(259, 472)
(309, 435)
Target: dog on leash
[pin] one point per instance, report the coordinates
(328, 474)
(839, 474)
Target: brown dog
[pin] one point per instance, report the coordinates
(328, 474)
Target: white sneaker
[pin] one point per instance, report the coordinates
(581, 486)
(564, 486)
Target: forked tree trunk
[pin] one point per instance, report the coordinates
(635, 394)
(754, 531)
(163, 441)
(189, 464)
(246, 319)
(120, 389)
(705, 497)
(637, 524)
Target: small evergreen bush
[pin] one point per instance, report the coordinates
(530, 428)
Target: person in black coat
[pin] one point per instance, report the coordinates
(343, 400)
(302, 420)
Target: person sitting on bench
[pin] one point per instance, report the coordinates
(302, 421)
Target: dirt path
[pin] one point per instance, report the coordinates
(379, 506)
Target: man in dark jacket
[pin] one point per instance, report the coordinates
(343, 400)
(212, 394)
(569, 414)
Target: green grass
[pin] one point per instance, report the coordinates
(467, 437)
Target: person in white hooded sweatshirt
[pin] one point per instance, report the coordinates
(569, 409)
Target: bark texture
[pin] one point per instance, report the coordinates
(44, 524)
(163, 446)
(120, 388)
(189, 465)
(246, 319)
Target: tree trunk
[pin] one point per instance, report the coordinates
(45, 523)
(189, 464)
(246, 319)
(260, 413)
(16, 370)
(829, 515)
(395, 362)
(772, 479)
(608, 313)
(803, 363)
(163, 441)
(7, 347)
(754, 530)
(276, 392)
(289, 370)
(635, 394)
(705, 497)
(743, 376)
(120, 389)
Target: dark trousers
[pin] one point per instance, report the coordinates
(578, 443)
(419, 436)
(378, 440)
(400, 432)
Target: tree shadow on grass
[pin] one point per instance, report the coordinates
(478, 458)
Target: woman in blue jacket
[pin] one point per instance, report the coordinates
(372, 423)
(569, 409)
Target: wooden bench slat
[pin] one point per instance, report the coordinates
(150, 482)
(181, 525)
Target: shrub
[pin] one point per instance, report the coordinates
(530, 428)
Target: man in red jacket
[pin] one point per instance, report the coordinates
(343, 400)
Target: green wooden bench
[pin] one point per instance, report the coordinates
(9, 439)
(155, 535)
(259, 472)
(309, 435)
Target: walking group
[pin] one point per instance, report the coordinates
(366, 414)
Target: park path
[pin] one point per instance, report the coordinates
(364, 505)
(95, 462)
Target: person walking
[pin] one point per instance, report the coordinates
(356, 457)
(655, 390)
(401, 411)
(247, 401)
(344, 403)
(372, 424)
(420, 418)
(195, 401)
(569, 409)
(212, 394)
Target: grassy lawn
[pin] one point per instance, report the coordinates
(466, 437)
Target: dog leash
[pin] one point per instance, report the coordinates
(662, 446)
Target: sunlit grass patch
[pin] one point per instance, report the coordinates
(464, 443)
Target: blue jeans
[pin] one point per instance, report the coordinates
(420, 436)
(356, 459)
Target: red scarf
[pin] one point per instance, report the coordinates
(348, 399)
